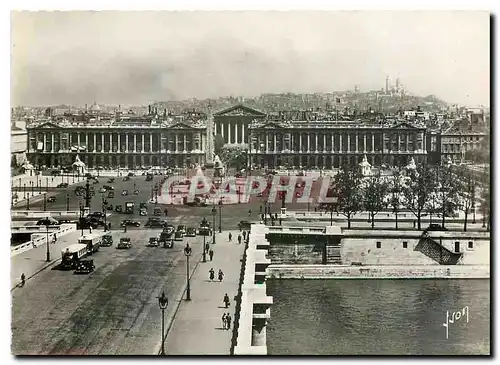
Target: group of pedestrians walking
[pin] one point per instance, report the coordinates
(241, 236)
(211, 274)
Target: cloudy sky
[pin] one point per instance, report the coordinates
(137, 57)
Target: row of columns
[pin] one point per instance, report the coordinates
(178, 142)
(269, 142)
(229, 131)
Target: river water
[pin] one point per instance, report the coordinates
(377, 317)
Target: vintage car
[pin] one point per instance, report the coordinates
(111, 194)
(129, 222)
(181, 228)
(153, 242)
(178, 236)
(155, 222)
(191, 232)
(84, 267)
(169, 229)
(118, 208)
(244, 225)
(107, 240)
(111, 180)
(124, 243)
(51, 199)
(63, 185)
(143, 212)
(168, 243)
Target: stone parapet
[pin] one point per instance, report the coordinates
(379, 272)
(255, 303)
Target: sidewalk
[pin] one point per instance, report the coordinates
(31, 262)
(197, 325)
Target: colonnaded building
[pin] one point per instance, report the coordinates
(156, 139)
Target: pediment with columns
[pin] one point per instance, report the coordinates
(271, 125)
(405, 125)
(240, 110)
(49, 125)
(181, 125)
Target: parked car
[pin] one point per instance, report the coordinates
(84, 267)
(108, 187)
(118, 208)
(125, 192)
(244, 225)
(149, 177)
(107, 240)
(178, 236)
(181, 228)
(155, 222)
(436, 227)
(129, 222)
(51, 199)
(96, 215)
(111, 180)
(124, 243)
(191, 232)
(169, 229)
(126, 178)
(102, 191)
(153, 242)
(63, 185)
(168, 243)
(136, 192)
(143, 212)
(131, 174)
(111, 194)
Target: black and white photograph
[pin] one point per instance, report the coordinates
(253, 182)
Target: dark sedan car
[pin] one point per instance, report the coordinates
(155, 223)
(51, 199)
(129, 222)
(63, 185)
(244, 225)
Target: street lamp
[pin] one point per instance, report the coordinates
(45, 202)
(67, 202)
(220, 216)
(187, 253)
(214, 213)
(162, 303)
(82, 209)
(104, 205)
(46, 222)
(24, 189)
(28, 202)
(204, 225)
(32, 186)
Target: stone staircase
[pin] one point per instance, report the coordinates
(436, 251)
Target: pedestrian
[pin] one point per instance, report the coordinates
(260, 211)
(224, 321)
(23, 280)
(228, 321)
(239, 239)
(226, 300)
(244, 234)
(262, 217)
(166, 212)
(211, 254)
(230, 237)
(276, 216)
(90, 229)
(221, 275)
(207, 247)
(212, 274)
(55, 238)
(249, 212)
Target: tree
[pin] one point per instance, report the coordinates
(395, 198)
(375, 191)
(486, 205)
(218, 144)
(234, 156)
(467, 197)
(419, 184)
(347, 186)
(448, 187)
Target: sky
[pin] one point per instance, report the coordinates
(132, 58)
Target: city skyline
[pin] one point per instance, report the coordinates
(137, 57)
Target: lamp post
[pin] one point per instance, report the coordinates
(24, 189)
(46, 223)
(28, 202)
(204, 224)
(45, 202)
(187, 253)
(67, 202)
(32, 187)
(162, 303)
(220, 216)
(214, 213)
(104, 205)
(81, 216)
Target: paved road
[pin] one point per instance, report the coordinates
(113, 310)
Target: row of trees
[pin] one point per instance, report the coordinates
(425, 190)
